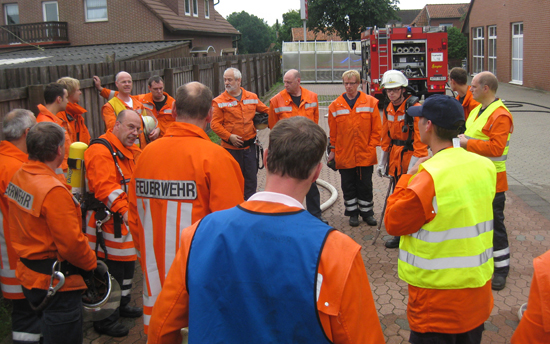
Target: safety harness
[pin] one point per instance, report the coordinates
(102, 212)
(408, 127)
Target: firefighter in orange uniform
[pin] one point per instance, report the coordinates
(25, 324)
(72, 117)
(107, 187)
(124, 101)
(157, 102)
(401, 145)
(45, 227)
(458, 79)
(56, 98)
(534, 327)
(203, 179)
(232, 121)
(354, 123)
(295, 100)
(274, 272)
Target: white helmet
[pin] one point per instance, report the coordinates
(104, 299)
(149, 124)
(394, 79)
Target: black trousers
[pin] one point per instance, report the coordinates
(313, 201)
(501, 249)
(123, 273)
(357, 188)
(61, 320)
(25, 323)
(249, 167)
(470, 337)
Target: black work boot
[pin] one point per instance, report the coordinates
(130, 312)
(114, 329)
(370, 220)
(393, 242)
(354, 220)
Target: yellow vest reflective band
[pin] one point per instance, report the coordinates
(474, 130)
(455, 249)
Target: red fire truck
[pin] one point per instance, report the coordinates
(419, 52)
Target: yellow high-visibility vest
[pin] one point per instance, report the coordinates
(455, 249)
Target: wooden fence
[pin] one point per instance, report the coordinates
(24, 87)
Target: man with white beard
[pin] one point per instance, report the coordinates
(234, 112)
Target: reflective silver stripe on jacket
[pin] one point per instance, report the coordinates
(399, 118)
(113, 196)
(446, 263)
(111, 94)
(310, 105)
(364, 109)
(283, 109)
(168, 111)
(7, 273)
(340, 112)
(250, 101)
(233, 103)
(498, 158)
(454, 233)
(149, 106)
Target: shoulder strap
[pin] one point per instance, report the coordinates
(409, 121)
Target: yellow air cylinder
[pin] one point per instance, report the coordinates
(75, 174)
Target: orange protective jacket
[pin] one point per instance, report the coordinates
(392, 125)
(46, 116)
(74, 123)
(355, 133)
(469, 103)
(212, 180)
(164, 116)
(11, 159)
(45, 223)
(433, 310)
(236, 117)
(281, 106)
(345, 305)
(110, 187)
(497, 128)
(534, 327)
(109, 116)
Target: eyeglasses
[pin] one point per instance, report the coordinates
(132, 128)
(392, 90)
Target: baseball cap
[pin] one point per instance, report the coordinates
(442, 110)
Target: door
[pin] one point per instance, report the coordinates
(517, 53)
(51, 14)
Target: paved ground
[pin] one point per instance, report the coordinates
(527, 218)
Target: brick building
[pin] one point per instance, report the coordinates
(89, 22)
(441, 15)
(510, 39)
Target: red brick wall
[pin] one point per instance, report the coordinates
(455, 21)
(536, 48)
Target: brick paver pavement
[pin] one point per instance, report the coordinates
(527, 219)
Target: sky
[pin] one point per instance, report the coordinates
(273, 10)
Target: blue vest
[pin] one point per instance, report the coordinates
(252, 278)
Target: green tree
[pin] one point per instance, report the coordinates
(256, 35)
(458, 43)
(291, 19)
(348, 18)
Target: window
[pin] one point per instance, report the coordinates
(446, 24)
(96, 10)
(206, 9)
(195, 8)
(50, 11)
(492, 49)
(188, 7)
(517, 53)
(11, 14)
(477, 50)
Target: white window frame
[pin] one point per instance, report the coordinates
(44, 3)
(187, 7)
(207, 9)
(195, 8)
(478, 42)
(16, 5)
(95, 20)
(492, 49)
(517, 56)
(446, 24)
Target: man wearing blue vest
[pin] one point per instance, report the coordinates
(442, 208)
(267, 271)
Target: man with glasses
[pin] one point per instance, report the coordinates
(354, 123)
(401, 145)
(107, 182)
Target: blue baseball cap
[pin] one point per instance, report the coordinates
(442, 110)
